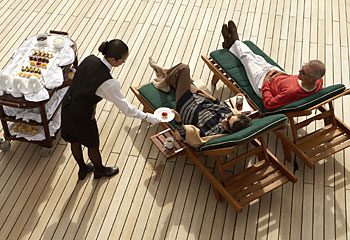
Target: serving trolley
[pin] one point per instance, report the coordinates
(20, 103)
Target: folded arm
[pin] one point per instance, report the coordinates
(272, 102)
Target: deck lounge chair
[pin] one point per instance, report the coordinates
(334, 136)
(262, 177)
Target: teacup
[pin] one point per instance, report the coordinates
(169, 143)
(41, 39)
(34, 84)
(58, 43)
(5, 81)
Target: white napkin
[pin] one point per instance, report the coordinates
(65, 57)
(53, 77)
(42, 95)
(34, 113)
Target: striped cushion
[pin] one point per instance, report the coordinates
(158, 99)
(234, 68)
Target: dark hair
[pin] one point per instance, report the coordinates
(241, 123)
(113, 49)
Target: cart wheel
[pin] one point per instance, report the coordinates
(5, 145)
(44, 152)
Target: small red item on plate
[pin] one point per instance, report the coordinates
(164, 114)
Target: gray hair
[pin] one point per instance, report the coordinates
(318, 69)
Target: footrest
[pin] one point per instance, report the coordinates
(255, 181)
(332, 141)
(159, 140)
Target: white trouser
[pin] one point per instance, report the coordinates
(255, 65)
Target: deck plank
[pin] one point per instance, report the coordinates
(41, 198)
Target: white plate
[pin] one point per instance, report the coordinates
(158, 113)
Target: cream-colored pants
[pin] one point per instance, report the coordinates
(255, 65)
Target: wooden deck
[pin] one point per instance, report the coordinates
(151, 198)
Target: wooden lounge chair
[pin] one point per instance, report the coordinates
(262, 177)
(334, 136)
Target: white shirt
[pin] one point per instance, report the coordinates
(306, 90)
(110, 90)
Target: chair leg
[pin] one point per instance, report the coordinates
(215, 79)
(286, 149)
(217, 194)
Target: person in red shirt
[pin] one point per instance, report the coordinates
(274, 86)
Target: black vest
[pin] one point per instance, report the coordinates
(90, 74)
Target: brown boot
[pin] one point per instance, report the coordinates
(233, 31)
(227, 37)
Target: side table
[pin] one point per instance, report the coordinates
(159, 139)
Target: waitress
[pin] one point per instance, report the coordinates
(92, 82)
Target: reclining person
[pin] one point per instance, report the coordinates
(199, 116)
(275, 87)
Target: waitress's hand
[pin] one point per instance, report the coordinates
(151, 118)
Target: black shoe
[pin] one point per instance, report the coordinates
(106, 172)
(82, 173)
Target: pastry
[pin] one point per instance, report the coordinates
(164, 115)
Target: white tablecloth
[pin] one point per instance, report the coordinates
(52, 76)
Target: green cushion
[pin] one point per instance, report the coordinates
(234, 68)
(258, 126)
(158, 99)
